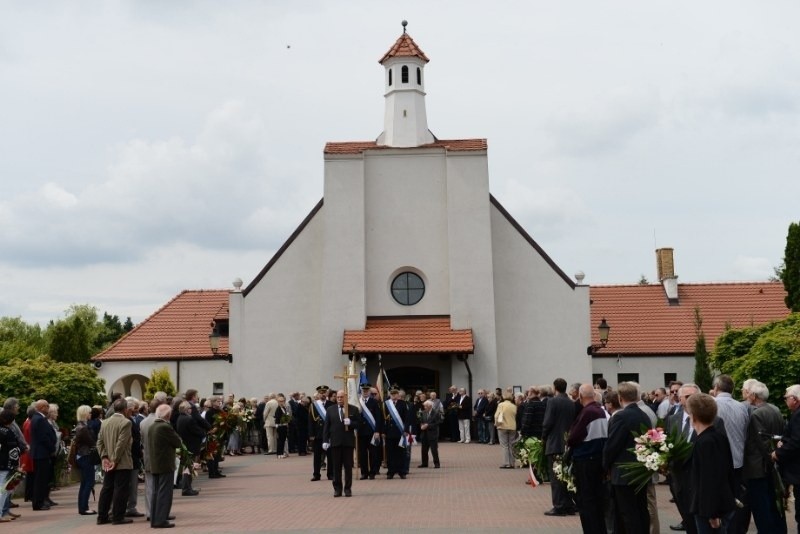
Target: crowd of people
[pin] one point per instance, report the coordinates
(741, 450)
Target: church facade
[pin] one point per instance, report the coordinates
(409, 262)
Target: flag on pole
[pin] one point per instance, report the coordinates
(352, 387)
(532, 476)
(362, 378)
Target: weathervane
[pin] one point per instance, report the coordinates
(404, 24)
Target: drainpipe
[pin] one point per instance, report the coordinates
(463, 358)
(178, 375)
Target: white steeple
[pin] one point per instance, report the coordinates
(405, 122)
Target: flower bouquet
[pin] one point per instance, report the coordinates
(187, 464)
(655, 451)
(286, 419)
(530, 451)
(13, 479)
(562, 469)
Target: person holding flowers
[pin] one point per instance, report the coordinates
(630, 505)
(712, 480)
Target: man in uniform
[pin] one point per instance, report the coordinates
(396, 434)
(316, 425)
(369, 434)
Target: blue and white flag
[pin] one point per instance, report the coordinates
(398, 422)
(366, 414)
(320, 409)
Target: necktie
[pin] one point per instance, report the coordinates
(687, 428)
(341, 414)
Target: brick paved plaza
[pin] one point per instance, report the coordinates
(263, 493)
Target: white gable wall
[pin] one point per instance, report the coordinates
(279, 339)
(470, 263)
(542, 330)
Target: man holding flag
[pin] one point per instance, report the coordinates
(369, 432)
(397, 428)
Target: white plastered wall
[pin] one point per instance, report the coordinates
(542, 322)
(194, 374)
(651, 369)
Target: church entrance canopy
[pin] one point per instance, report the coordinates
(409, 335)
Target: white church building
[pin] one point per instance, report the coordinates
(407, 257)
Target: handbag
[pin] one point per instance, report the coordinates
(94, 456)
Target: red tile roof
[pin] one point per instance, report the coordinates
(404, 47)
(178, 331)
(357, 147)
(408, 335)
(643, 322)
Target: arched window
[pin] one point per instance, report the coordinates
(419, 76)
(390, 76)
(404, 74)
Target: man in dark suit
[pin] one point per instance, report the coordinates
(788, 452)
(430, 420)
(43, 446)
(451, 412)
(192, 432)
(317, 413)
(558, 417)
(114, 443)
(339, 436)
(479, 411)
(679, 472)
(369, 460)
(397, 427)
(162, 440)
(630, 506)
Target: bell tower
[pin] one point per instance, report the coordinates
(405, 121)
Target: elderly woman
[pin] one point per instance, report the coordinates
(505, 419)
(52, 417)
(85, 441)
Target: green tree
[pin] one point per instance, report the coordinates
(18, 339)
(69, 340)
(702, 370)
(790, 274)
(67, 384)
(109, 331)
(770, 354)
(160, 380)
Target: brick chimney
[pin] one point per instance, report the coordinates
(665, 264)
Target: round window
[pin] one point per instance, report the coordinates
(408, 288)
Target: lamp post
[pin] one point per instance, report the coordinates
(213, 340)
(603, 329)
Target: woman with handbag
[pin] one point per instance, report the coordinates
(85, 449)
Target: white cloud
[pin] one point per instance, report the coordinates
(751, 268)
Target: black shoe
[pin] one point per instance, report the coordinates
(134, 514)
(337, 494)
(422, 466)
(217, 475)
(372, 477)
(554, 512)
(437, 466)
(88, 512)
(51, 503)
(163, 525)
(105, 521)
(190, 492)
(122, 521)
(403, 476)
(363, 477)
(389, 477)
(42, 507)
(571, 511)
(678, 527)
(314, 479)
(348, 493)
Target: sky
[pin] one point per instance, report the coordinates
(148, 147)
